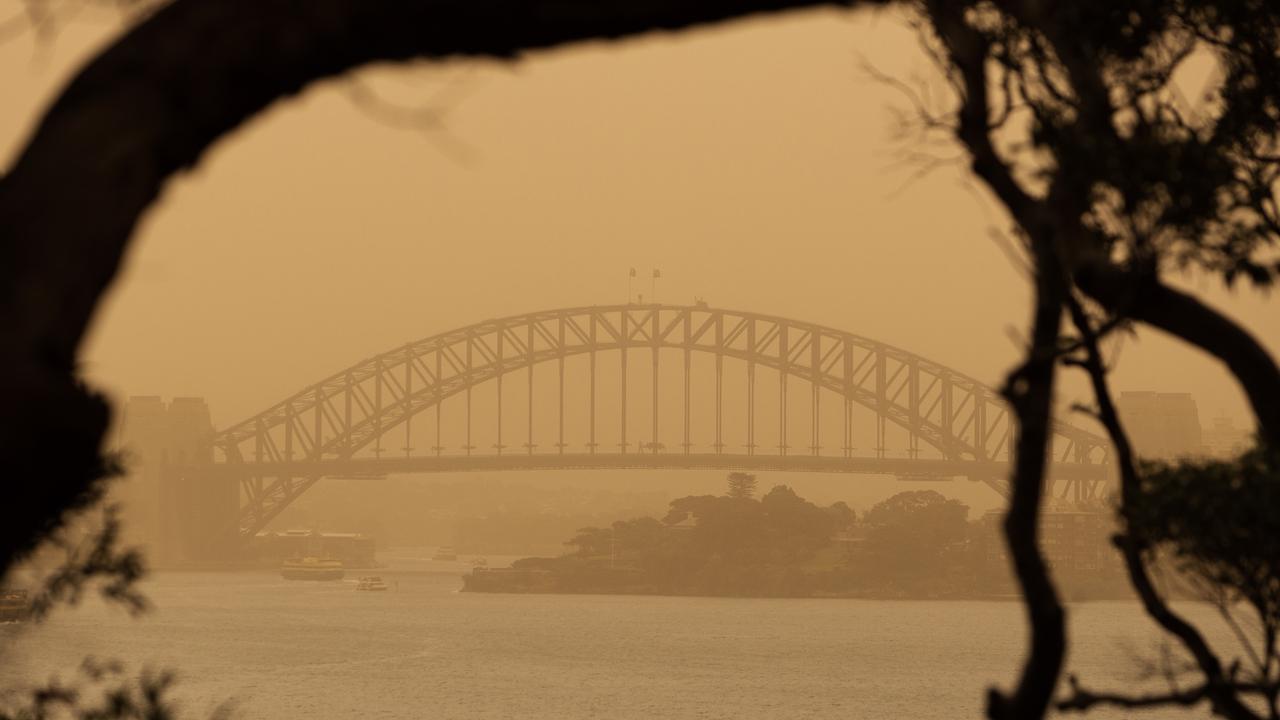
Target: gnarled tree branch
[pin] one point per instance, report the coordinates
(1217, 688)
(1029, 388)
(1143, 297)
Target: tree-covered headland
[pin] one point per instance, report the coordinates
(915, 544)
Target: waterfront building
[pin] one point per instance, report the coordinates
(1076, 543)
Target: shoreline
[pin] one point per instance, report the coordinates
(534, 582)
(1000, 598)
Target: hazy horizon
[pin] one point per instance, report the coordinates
(319, 235)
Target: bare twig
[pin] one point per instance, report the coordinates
(1081, 699)
(428, 118)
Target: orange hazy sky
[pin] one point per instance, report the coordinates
(755, 164)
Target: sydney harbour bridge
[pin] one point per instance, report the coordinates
(635, 387)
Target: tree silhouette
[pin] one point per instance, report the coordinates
(1071, 115)
(741, 485)
(912, 539)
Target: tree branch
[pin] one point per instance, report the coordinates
(1082, 700)
(1028, 388)
(1218, 687)
(1143, 297)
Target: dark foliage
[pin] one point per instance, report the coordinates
(1218, 524)
(1181, 508)
(1076, 118)
(911, 545)
(710, 545)
(914, 541)
(102, 690)
(94, 559)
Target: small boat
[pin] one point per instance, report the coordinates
(371, 583)
(444, 552)
(311, 568)
(14, 605)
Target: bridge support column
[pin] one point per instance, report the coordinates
(173, 503)
(653, 439)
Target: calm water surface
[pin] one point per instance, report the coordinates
(301, 650)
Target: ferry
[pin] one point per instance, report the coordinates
(14, 605)
(371, 583)
(311, 568)
(445, 552)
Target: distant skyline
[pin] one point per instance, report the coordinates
(755, 165)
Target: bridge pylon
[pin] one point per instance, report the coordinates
(173, 504)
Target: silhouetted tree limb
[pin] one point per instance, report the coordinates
(1170, 178)
(1218, 688)
(1112, 184)
(1029, 388)
(1141, 296)
(1082, 700)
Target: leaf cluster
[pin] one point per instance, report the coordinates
(102, 690)
(94, 560)
(1154, 123)
(1218, 523)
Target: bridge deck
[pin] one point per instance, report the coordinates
(905, 468)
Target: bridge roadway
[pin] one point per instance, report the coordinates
(991, 472)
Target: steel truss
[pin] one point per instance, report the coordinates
(318, 431)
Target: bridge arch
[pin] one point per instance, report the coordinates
(281, 451)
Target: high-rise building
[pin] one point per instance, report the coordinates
(1161, 426)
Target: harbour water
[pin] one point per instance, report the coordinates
(282, 649)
